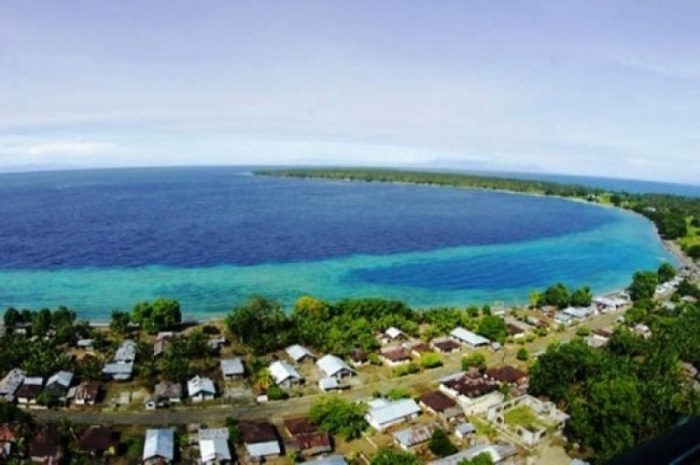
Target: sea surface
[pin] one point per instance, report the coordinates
(100, 240)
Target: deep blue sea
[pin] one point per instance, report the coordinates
(211, 237)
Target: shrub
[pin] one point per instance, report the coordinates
(431, 360)
(474, 359)
(522, 354)
(276, 393)
(440, 444)
(407, 369)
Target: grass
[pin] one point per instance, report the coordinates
(692, 237)
(525, 417)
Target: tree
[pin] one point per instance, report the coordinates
(479, 459)
(337, 416)
(161, 314)
(119, 322)
(388, 456)
(41, 323)
(397, 394)
(261, 324)
(582, 297)
(493, 327)
(643, 285)
(666, 272)
(430, 360)
(11, 317)
(522, 354)
(557, 295)
(440, 444)
(475, 359)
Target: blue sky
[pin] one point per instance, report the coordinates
(609, 88)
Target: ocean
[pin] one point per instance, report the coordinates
(98, 240)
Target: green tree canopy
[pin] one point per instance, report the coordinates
(666, 272)
(388, 456)
(158, 315)
(493, 327)
(643, 285)
(557, 295)
(337, 416)
(261, 324)
(440, 444)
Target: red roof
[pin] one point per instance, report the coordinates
(437, 401)
(396, 355)
(301, 425)
(448, 345)
(506, 374)
(254, 432)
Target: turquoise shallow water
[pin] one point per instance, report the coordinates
(604, 258)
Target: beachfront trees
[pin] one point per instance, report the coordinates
(260, 323)
(11, 317)
(120, 322)
(493, 327)
(337, 416)
(158, 315)
(643, 285)
(666, 272)
(582, 297)
(556, 295)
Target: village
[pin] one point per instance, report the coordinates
(451, 399)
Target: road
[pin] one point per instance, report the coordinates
(216, 413)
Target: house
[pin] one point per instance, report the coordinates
(85, 344)
(439, 404)
(10, 383)
(299, 353)
(469, 338)
(328, 460)
(86, 393)
(417, 348)
(515, 331)
(498, 453)
(45, 447)
(507, 375)
(383, 413)
(161, 346)
(547, 418)
(642, 330)
(307, 439)
(29, 390)
(159, 446)
(563, 318)
(411, 437)
(395, 356)
(232, 368)
(395, 334)
(284, 374)
(474, 394)
(59, 384)
(8, 440)
(334, 367)
(578, 313)
(118, 371)
(359, 358)
(213, 446)
(216, 342)
(463, 430)
(331, 384)
(98, 441)
(260, 439)
(445, 345)
(200, 389)
(165, 393)
(126, 353)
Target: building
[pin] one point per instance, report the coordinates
(331, 384)
(334, 367)
(200, 389)
(578, 313)
(395, 356)
(547, 419)
(445, 345)
(216, 342)
(284, 374)
(119, 371)
(260, 440)
(464, 430)
(161, 346)
(408, 438)
(395, 334)
(417, 348)
(439, 404)
(8, 440)
(45, 447)
(86, 393)
(383, 413)
(328, 460)
(498, 453)
(213, 446)
(232, 368)
(98, 441)
(126, 353)
(299, 353)
(359, 358)
(474, 394)
(10, 383)
(507, 375)
(469, 338)
(59, 384)
(159, 446)
(165, 393)
(306, 438)
(29, 390)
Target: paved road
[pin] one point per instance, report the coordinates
(296, 406)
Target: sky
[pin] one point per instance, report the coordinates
(602, 88)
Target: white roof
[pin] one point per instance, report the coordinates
(332, 365)
(468, 337)
(393, 332)
(577, 312)
(126, 352)
(84, 343)
(282, 371)
(392, 412)
(63, 378)
(118, 369)
(263, 449)
(199, 385)
(12, 381)
(232, 366)
(465, 428)
(329, 383)
(496, 452)
(213, 444)
(34, 380)
(330, 460)
(159, 443)
(298, 352)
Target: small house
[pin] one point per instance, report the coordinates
(284, 374)
(86, 393)
(469, 338)
(201, 389)
(307, 439)
(119, 371)
(475, 394)
(59, 384)
(383, 413)
(159, 446)
(464, 430)
(445, 345)
(232, 368)
(29, 390)
(409, 438)
(439, 404)
(299, 353)
(10, 383)
(98, 441)
(213, 446)
(260, 440)
(395, 356)
(334, 367)
(8, 440)
(335, 459)
(165, 393)
(359, 358)
(507, 375)
(46, 448)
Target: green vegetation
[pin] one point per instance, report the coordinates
(388, 456)
(523, 416)
(674, 216)
(337, 416)
(407, 369)
(560, 297)
(430, 360)
(397, 394)
(643, 285)
(522, 354)
(440, 444)
(480, 459)
(493, 328)
(158, 315)
(474, 360)
(666, 272)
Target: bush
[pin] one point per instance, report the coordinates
(397, 393)
(431, 360)
(337, 416)
(276, 393)
(522, 354)
(407, 369)
(474, 359)
(388, 456)
(440, 444)
(583, 331)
